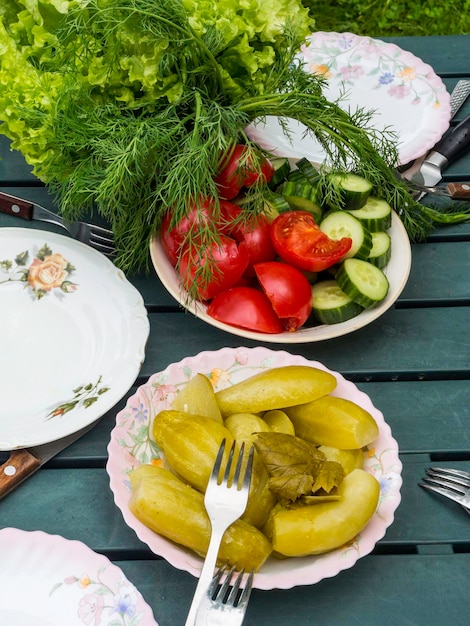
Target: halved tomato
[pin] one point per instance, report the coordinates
(245, 307)
(256, 234)
(299, 241)
(288, 290)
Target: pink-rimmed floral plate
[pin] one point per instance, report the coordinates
(47, 580)
(403, 93)
(73, 336)
(132, 444)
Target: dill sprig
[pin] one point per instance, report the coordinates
(133, 154)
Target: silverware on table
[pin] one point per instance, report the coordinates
(424, 173)
(450, 483)
(225, 603)
(96, 237)
(23, 462)
(225, 501)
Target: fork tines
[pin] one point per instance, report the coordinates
(453, 484)
(227, 593)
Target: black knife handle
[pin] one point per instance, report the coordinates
(16, 206)
(455, 142)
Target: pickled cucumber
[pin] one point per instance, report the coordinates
(335, 422)
(176, 511)
(198, 398)
(318, 528)
(276, 388)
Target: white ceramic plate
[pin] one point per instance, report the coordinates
(73, 336)
(404, 93)
(47, 580)
(397, 272)
(132, 444)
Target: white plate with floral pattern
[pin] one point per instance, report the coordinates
(404, 94)
(47, 580)
(73, 336)
(132, 444)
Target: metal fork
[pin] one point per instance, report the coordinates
(94, 236)
(225, 604)
(451, 483)
(225, 501)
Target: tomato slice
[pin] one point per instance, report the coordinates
(238, 170)
(299, 241)
(228, 259)
(288, 290)
(245, 307)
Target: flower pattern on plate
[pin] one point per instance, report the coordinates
(47, 271)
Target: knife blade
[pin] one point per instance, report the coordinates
(454, 143)
(22, 463)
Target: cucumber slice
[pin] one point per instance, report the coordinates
(381, 251)
(354, 190)
(298, 203)
(281, 171)
(376, 214)
(363, 282)
(338, 224)
(308, 171)
(279, 204)
(331, 305)
(296, 176)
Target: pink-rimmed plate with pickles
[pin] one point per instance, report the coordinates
(132, 444)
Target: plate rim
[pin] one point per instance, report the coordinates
(138, 332)
(191, 563)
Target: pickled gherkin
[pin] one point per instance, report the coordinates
(318, 528)
(335, 422)
(161, 501)
(276, 388)
(198, 398)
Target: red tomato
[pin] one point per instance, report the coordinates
(288, 290)
(256, 234)
(299, 241)
(245, 307)
(173, 238)
(238, 171)
(230, 261)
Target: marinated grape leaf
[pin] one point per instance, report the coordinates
(329, 477)
(295, 466)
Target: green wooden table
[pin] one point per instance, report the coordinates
(414, 363)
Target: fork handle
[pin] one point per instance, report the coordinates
(207, 573)
(16, 206)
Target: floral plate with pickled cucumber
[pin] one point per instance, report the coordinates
(133, 452)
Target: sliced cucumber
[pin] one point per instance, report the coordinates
(279, 204)
(354, 190)
(308, 171)
(363, 282)
(297, 203)
(331, 305)
(338, 224)
(296, 176)
(376, 214)
(281, 171)
(381, 251)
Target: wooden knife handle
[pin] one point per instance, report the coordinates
(16, 206)
(459, 191)
(17, 468)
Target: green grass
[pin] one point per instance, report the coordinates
(389, 18)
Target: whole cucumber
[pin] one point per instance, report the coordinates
(318, 528)
(161, 501)
(276, 388)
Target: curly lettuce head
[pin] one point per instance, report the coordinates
(140, 53)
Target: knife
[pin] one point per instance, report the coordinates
(454, 143)
(23, 462)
